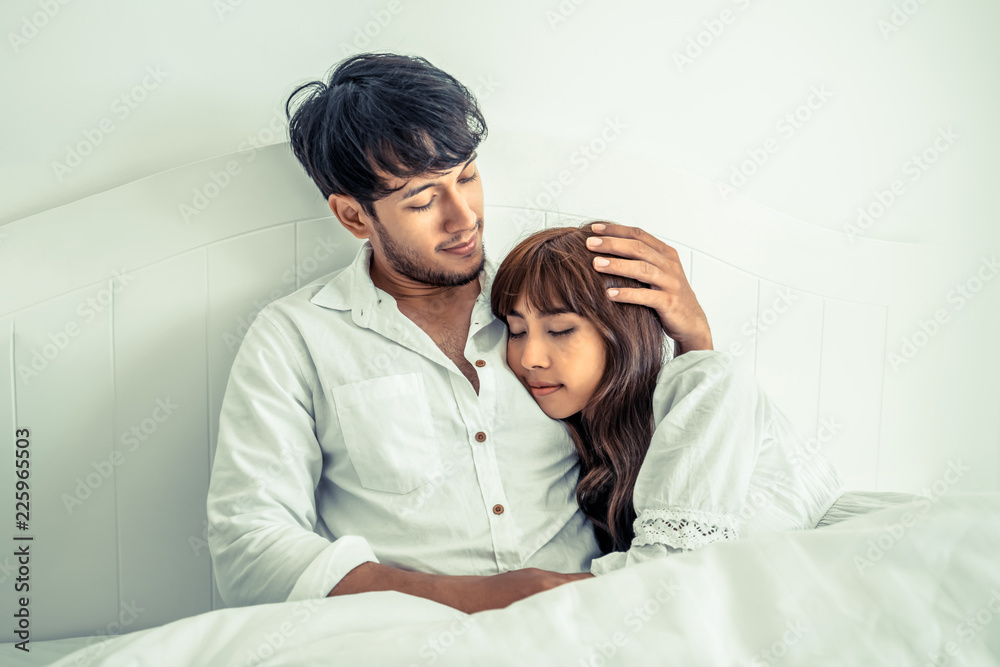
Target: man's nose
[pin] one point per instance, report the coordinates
(461, 216)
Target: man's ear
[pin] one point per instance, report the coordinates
(349, 212)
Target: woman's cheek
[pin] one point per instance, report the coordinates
(512, 354)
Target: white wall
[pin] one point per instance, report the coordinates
(562, 72)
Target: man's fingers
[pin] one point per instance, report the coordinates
(635, 250)
(636, 295)
(643, 271)
(636, 235)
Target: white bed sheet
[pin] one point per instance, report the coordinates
(913, 584)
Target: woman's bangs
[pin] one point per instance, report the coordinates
(545, 286)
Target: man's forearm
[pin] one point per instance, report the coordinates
(369, 577)
(702, 341)
(463, 592)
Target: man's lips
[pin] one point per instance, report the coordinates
(463, 247)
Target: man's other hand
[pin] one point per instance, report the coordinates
(465, 593)
(500, 590)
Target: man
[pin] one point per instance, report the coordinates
(371, 436)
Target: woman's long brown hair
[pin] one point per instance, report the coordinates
(553, 269)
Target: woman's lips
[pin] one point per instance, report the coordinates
(544, 391)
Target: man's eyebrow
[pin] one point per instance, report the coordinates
(414, 191)
(543, 313)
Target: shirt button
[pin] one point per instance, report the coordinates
(498, 509)
(480, 363)
(480, 437)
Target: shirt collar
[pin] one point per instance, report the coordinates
(353, 289)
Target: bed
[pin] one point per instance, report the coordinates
(912, 584)
(130, 344)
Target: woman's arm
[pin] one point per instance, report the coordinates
(695, 476)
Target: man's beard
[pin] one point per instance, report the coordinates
(407, 263)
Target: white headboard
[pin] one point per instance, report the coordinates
(115, 347)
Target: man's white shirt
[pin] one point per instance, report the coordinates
(346, 436)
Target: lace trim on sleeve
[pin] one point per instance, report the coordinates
(683, 529)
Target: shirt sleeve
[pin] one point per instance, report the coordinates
(696, 473)
(261, 500)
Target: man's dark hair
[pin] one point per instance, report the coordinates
(381, 111)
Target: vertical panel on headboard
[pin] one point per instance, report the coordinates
(8, 563)
(322, 246)
(789, 328)
(850, 396)
(244, 275)
(65, 396)
(729, 298)
(161, 420)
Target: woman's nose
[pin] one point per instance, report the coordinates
(534, 354)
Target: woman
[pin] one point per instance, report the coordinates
(673, 454)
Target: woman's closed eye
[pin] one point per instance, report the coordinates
(565, 332)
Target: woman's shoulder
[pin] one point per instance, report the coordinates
(709, 362)
(698, 368)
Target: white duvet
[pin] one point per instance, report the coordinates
(915, 584)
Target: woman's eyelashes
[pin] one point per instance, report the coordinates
(428, 204)
(565, 332)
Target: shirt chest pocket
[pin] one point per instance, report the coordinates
(388, 431)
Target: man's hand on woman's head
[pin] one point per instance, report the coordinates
(648, 259)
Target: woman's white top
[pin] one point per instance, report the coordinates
(723, 463)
